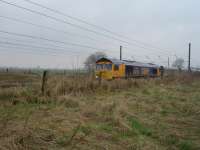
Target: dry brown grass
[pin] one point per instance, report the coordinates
(78, 113)
(62, 85)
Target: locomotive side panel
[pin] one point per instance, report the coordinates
(118, 70)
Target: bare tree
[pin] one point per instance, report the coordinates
(91, 60)
(179, 63)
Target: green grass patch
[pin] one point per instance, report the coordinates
(139, 128)
(107, 128)
(85, 129)
(164, 112)
(186, 145)
(62, 141)
(104, 127)
(146, 92)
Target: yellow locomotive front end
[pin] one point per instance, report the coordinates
(104, 70)
(107, 69)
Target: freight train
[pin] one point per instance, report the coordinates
(114, 68)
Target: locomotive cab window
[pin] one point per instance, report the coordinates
(103, 67)
(108, 67)
(116, 67)
(99, 66)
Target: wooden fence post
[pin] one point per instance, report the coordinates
(44, 80)
(100, 78)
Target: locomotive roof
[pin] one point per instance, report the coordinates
(127, 62)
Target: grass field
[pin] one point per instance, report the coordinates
(78, 113)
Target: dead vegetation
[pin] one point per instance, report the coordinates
(78, 113)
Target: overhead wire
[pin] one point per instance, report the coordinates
(51, 40)
(50, 46)
(15, 48)
(57, 19)
(30, 36)
(55, 41)
(46, 27)
(33, 37)
(47, 46)
(60, 31)
(86, 22)
(60, 51)
(57, 30)
(34, 42)
(66, 22)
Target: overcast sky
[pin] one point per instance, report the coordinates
(164, 28)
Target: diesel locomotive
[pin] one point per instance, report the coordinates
(107, 68)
